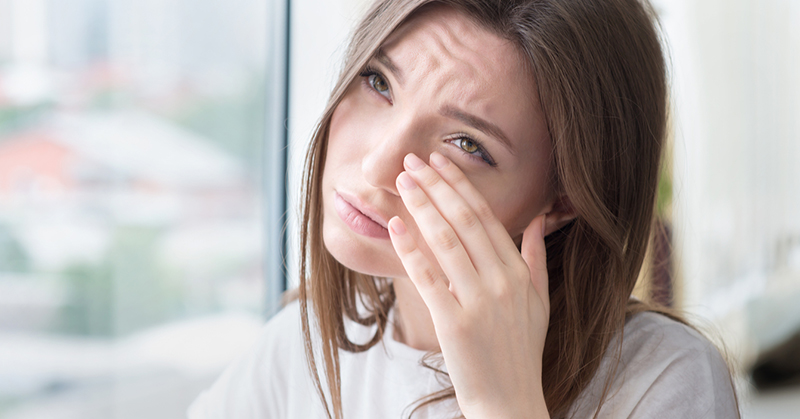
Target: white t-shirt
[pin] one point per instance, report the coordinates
(667, 370)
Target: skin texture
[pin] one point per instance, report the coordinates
(462, 283)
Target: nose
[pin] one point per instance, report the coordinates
(384, 160)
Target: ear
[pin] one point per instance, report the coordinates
(560, 214)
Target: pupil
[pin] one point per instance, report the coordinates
(380, 84)
(468, 146)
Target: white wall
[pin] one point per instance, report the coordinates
(737, 163)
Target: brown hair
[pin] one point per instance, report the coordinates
(601, 81)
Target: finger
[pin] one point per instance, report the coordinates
(495, 230)
(433, 290)
(443, 241)
(458, 213)
(534, 253)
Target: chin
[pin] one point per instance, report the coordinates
(362, 254)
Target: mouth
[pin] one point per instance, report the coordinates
(359, 217)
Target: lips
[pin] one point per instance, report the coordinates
(359, 218)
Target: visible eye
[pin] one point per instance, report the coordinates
(467, 145)
(473, 148)
(377, 82)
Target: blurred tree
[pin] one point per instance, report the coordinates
(142, 294)
(234, 122)
(124, 293)
(12, 255)
(13, 118)
(88, 310)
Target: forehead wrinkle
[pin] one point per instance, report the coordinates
(441, 65)
(446, 65)
(449, 45)
(444, 53)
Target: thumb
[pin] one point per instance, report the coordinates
(535, 255)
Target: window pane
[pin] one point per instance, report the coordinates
(131, 201)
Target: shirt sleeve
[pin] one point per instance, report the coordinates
(666, 370)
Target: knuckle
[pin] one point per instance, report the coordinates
(503, 292)
(456, 329)
(427, 276)
(446, 239)
(483, 211)
(464, 216)
(462, 328)
(406, 249)
(457, 177)
(430, 180)
(521, 270)
(421, 203)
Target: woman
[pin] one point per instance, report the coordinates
(478, 201)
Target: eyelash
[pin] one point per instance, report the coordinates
(480, 155)
(369, 72)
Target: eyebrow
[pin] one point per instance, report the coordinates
(477, 123)
(390, 65)
(450, 111)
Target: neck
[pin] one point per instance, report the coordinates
(413, 325)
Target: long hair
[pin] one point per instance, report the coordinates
(601, 81)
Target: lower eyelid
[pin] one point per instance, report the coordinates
(366, 85)
(477, 156)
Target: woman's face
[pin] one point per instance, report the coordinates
(439, 83)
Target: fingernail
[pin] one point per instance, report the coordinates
(544, 223)
(438, 161)
(404, 179)
(413, 162)
(397, 227)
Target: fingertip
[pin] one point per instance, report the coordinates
(397, 226)
(537, 225)
(438, 161)
(534, 252)
(533, 237)
(404, 181)
(544, 224)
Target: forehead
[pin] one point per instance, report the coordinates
(444, 33)
(446, 59)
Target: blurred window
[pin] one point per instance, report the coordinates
(141, 161)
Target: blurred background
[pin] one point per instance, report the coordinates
(135, 140)
(143, 152)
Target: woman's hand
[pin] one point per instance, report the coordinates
(492, 320)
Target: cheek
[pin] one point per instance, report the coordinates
(342, 155)
(349, 131)
(341, 124)
(519, 202)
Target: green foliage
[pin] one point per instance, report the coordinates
(89, 306)
(15, 118)
(124, 293)
(142, 296)
(108, 99)
(235, 123)
(12, 255)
